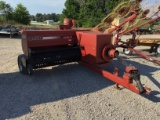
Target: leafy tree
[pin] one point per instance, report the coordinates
(92, 12)
(54, 17)
(32, 18)
(6, 10)
(39, 17)
(89, 13)
(111, 4)
(21, 14)
(58, 16)
(81, 2)
(42, 17)
(72, 8)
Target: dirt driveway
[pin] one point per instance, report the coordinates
(72, 91)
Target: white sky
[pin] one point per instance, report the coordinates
(152, 5)
(54, 6)
(39, 6)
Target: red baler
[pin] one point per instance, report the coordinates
(93, 49)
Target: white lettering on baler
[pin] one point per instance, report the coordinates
(36, 38)
(50, 38)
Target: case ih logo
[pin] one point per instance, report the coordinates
(36, 38)
(46, 38)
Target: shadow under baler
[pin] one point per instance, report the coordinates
(19, 92)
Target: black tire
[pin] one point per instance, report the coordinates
(21, 67)
(127, 52)
(29, 69)
(151, 49)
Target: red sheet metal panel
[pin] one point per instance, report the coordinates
(93, 44)
(50, 37)
(47, 38)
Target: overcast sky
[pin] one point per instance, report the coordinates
(39, 6)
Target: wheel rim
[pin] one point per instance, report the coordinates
(158, 50)
(126, 51)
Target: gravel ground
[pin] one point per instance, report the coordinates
(72, 91)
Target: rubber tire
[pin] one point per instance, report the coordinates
(127, 52)
(29, 69)
(21, 67)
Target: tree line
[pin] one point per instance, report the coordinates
(21, 15)
(88, 13)
(39, 17)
